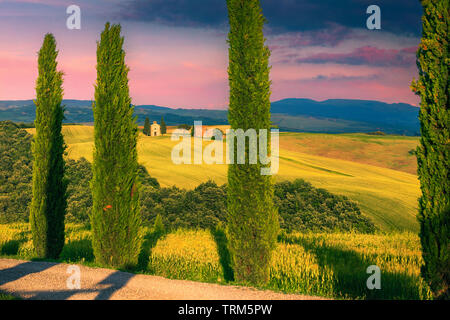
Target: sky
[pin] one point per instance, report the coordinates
(177, 51)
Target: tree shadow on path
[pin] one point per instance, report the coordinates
(116, 281)
(150, 240)
(23, 269)
(221, 240)
(111, 284)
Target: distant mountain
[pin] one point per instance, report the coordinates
(397, 117)
(330, 116)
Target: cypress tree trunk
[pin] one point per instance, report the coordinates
(146, 127)
(48, 205)
(115, 214)
(252, 217)
(163, 126)
(433, 152)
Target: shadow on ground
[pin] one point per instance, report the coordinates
(150, 240)
(23, 269)
(350, 274)
(221, 240)
(108, 286)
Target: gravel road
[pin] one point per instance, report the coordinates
(49, 281)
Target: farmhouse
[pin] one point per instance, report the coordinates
(155, 129)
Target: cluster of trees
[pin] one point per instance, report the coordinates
(15, 172)
(304, 208)
(301, 207)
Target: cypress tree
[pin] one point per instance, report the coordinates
(433, 151)
(146, 130)
(252, 217)
(163, 126)
(48, 205)
(115, 216)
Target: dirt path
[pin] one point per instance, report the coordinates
(48, 281)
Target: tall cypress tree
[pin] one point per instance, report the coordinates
(163, 126)
(115, 217)
(48, 205)
(146, 130)
(433, 152)
(252, 217)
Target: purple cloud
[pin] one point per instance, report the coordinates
(328, 37)
(366, 55)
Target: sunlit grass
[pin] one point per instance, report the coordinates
(331, 265)
(188, 255)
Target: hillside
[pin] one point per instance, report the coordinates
(301, 206)
(296, 115)
(358, 166)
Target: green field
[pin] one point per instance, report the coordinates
(330, 265)
(374, 171)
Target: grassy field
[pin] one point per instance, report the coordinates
(330, 265)
(375, 171)
(390, 152)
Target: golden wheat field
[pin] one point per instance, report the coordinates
(375, 171)
(329, 265)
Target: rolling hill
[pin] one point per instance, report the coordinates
(294, 115)
(375, 171)
(392, 117)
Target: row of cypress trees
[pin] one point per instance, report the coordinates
(115, 217)
(252, 217)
